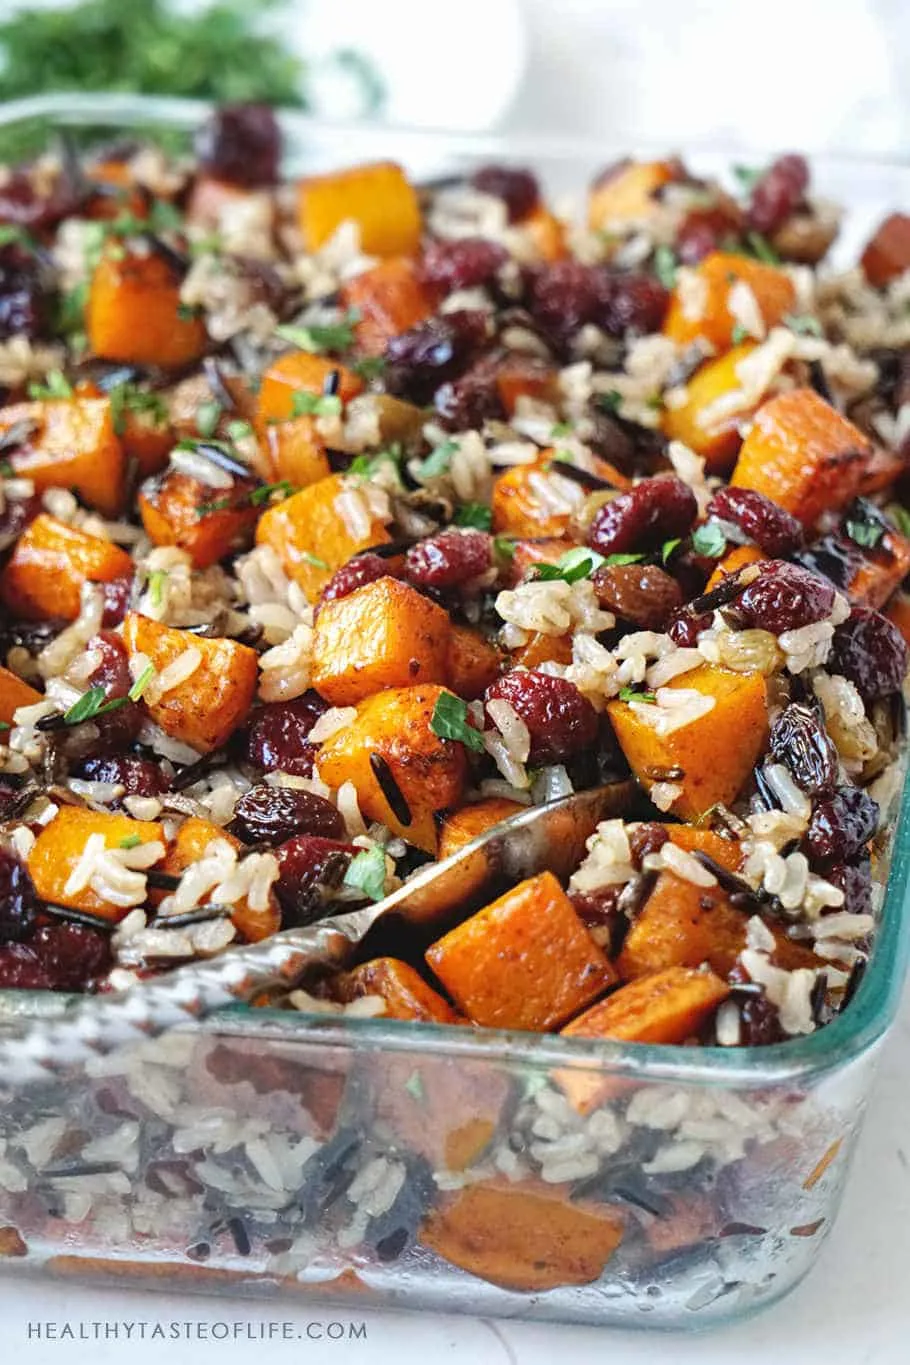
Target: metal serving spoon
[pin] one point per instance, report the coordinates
(549, 837)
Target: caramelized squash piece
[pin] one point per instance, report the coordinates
(72, 444)
(58, 850)
(406, 994)
(539, 550)
(13, 694)
(528, 1237)
(295, 453)
(429, 772)
(189, 845)
(546, 234)
(887, 253)
(386, 634)
(134, 316)
(207, 523)
(525, 962)
(388, 299)
(43, 577)
(310, 538)
(146, 437)
(883, 569)
(468, 822)
(521, 508)
(716, 403)
(472, 664)
(212, 202)
(709, 757)
(207, 707)
(628, 193)
(299, 372)
(378, 197)
(525, 376)
(803, 454)
(666, 1007)
(700, 303)
(693, 839)
(732, 562)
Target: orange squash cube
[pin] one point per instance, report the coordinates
(887, 254)
(406, 994)
(472, 663)
(468, 822)
(207, 523)
(803, 454)
(57, 851)
(295, 453)
(898, 611)
(43, 578)
(207, 707)
(732, 562)
(708, 422)
(628, 193)
(709, 757)
(300, 372)
(133, 314)
(883, 568)
(708, 314)
(13, 694)
(546, 234)
(524, 962)
(388, 299)
(378, 197)
(72, 445)
(189, 845)
(525, 376)
(445, 1110)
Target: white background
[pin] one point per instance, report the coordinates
(793, 73)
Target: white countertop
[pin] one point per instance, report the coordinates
(854, 1309)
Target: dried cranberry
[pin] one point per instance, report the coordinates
(420, 359)
(362, 569)
(24, 305)
(799, 739)
(59, 957)
(561, 721)
(462, 264)
(112, 672)
(138, 776)
(842, 824)
(653, 511)
(685, 628)
(646, 837)
(21, 969)
(773, 530)
(696, 239)
(564, 296)
(870, 651)
(516, 186)
(18, 899)
(116, 601)
(274, 814)
(759, 1022)
(240, 143)
(278, 733)
(22, 204)
(599, 910)
(641, 594)
(449, 559)
(778, 193)
(466, 403)
(785, 597)
(855, 880)
(305, 863)
(637, 303)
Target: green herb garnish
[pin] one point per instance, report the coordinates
(141, 683)
(865, 533)
(130, 398)
(239, 430)
(92, 703)
(263, 494)
(319, 337)
(666, 266)
(55, 385)
(901, 518)
(450, 721)
(188, 312)
(762, 248)
(739, 334)
(306, 404)
(571, 567)
(561, 430)
(208, 415)
(748, 176)
(804, 324)
(609, 401)
(219, 505)
(366, 873)
(11, 234)
(368, 367)
(475, 514)
(365, 466)
(438, 461)
(667, 549)
(504, 546)
(157, 580)
(316, 562)
(630, 694)
(709, 540)
(131, 841)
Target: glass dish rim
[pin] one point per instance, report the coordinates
(832, 1047)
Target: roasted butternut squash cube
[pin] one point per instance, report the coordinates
(445, 1110)
(212, 202)
(468, 822)
(295, 452)
(13, 694)
(207, 523)
(732, 562)
(545, 234)
(389, 299)
(208, 705)
(472, 664)
(694, 839)
(310, 536)
(429, 772)
(700, 303)
(134, 314)
(299, 372)
(188, 847)
(665, 1007)
(898, 611)
(628, 193)
(62, 872)
(887, 254)
(521, 508)
(72, 445)
(541, 648)
(406, 994)
(525, 376)
(706, 746)
(526, 961)
(882, 570)
(803, 454)
(528, 1237)
(716, 403)
(146, 437)
(378, 197)
(386, 634)
(43, 577)
(527, 554)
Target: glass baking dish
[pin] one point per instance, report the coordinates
(409, 1165)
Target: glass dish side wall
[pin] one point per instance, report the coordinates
(270, 1153)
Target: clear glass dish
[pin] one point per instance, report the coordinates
(408, 1165)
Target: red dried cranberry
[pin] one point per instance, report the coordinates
(306, 862)
(138, 776)
(636, 303)
(696, 239)
(842, 824)
(855, 880)
(599, 910)
(516, 186)
(22, 205)
(449, 559)
(870, 651)
(59, 957)
(468, 402)
(653, 511)
(564, 296)
(773, 529)
(778, 193)
(362, 569)
(463, 264)
(560, 719)
(785, 597)
(116, 601)
(112, 672)
(21, 969)
(685, 628)
(420, 359)
(759, 1022)
(800, 740)
(240, 143)
(641, 594)
(24, 305)
(17, 513)
(647, 837)
(273, 814)
(18, 899)
(277, 736)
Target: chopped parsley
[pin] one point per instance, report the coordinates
(620, 559)
(11, 233)
(667, 549)
(264, 492)
(367, 465)
(126, 398)
(609, 401)
(739, 334)
(630, 694)
(450, 721)
(709, 540)
(666, 266)
(157, 580)
(571, 567)
(305, 404)
(366, 873)
(315, 561)
(560, 430)
(865, 533)
(141, 683)
(219, 505)
(368, 367)
(504, 546)
(239, 430)
(320, 337)
(91, 704)
(901, 518)
(761, 248)
(208, 415)
(131, 841)
(804, 324)
(55, 385)
(475, 514)
(438, 461)
(748, 176)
